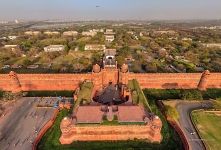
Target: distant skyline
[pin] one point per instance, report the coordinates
(109, 9)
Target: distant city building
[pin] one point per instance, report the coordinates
(12, 37)
(32, 66)
(3, 22)
(32, 33)
(96, 47)
(109, 35)
(165, 32)
(109, 30)
(210, 28)
(117, 25)
(212, 45)
(16, 66)
(54, 48)
(141, 34)
(109, 38)
(3, 38)
(97, 30)
(11, 47)
(16, 21)
(51, 33)
(70, 33)
(109, 58)
(130, 32)
(89, 33)
(186, 39)
(6, 66)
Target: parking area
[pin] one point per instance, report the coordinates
(19, 128)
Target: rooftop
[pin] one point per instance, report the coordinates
(89, 114)
(130, 114)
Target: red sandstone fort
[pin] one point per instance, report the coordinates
(94, 113)
(39, 82)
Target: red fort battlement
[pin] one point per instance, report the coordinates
(101, 77)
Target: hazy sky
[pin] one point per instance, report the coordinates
(110, 9)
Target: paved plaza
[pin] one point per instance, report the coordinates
(20, 127)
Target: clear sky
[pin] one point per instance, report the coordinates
(110, 9)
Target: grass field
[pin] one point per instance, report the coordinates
(209, 126)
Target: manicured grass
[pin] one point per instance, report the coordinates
(209, 126)
(51, 139)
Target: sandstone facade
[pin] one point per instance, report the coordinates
(71, 132)
(36, 82)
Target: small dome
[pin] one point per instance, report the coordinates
(206, 72)
(12, 74)
(96, 68)
(124, 68)
(157, 121)
(66, 121)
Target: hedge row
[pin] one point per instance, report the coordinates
(185, 94)
(1, 94)
(138, 96)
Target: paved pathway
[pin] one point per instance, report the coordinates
(187, 127)
(19, 128)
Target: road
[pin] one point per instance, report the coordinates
(184, 109)
(19, 128)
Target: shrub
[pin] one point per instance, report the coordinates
(8, 96)
(162, 94)
(212, 93)
(191, 95)
(1, 94)
(135, 97)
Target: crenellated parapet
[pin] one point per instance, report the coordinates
(15, 84)
(72, 132)
(101, 77)
(204, 81)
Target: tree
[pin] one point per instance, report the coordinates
(120, 60)
(26, 45)
(151, 67)
(191, 95)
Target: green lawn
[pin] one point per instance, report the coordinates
(209, 126)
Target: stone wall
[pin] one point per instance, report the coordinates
(35, 82)
(32, 82)
(109, 133)
(175, 80)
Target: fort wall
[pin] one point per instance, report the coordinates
(34, 82)
(110, 133)
(175, 80)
